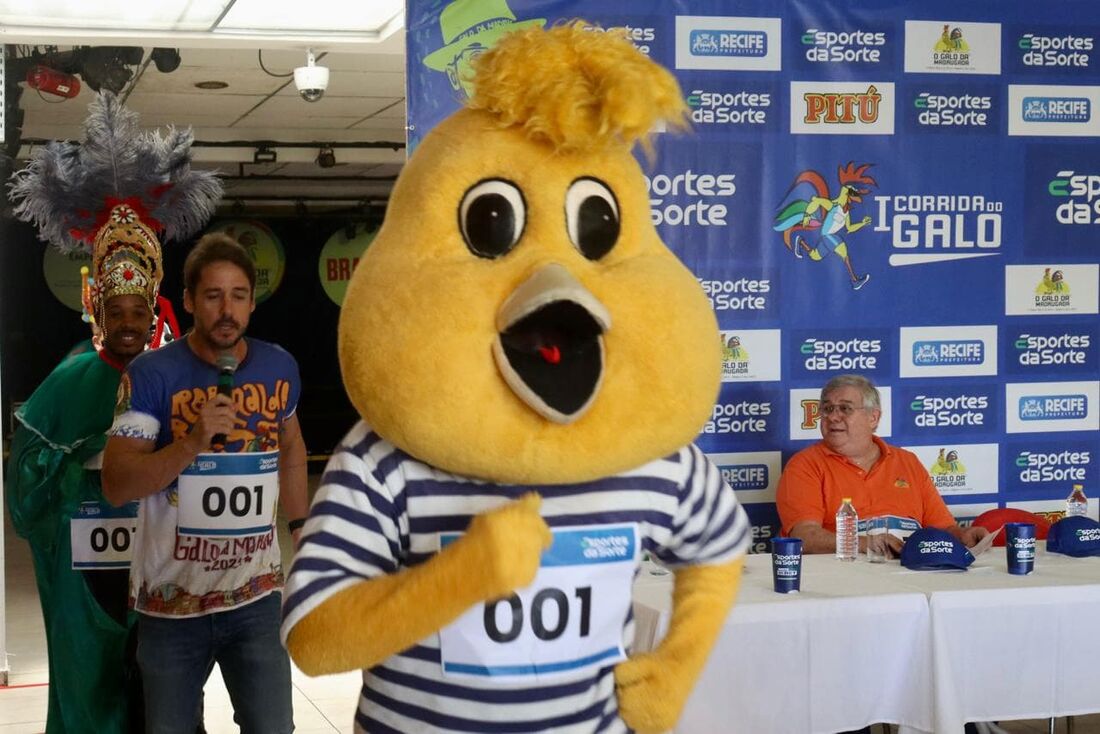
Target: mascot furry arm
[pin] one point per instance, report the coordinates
(515, 237)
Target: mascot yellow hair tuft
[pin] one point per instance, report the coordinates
(576, 88)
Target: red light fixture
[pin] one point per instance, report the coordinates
(52, 81)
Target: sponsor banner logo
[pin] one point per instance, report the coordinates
(764, 519)
(828, 45)
(955, 108)
(842, 108)
(959, 469)
(720, 106)
(742, 416)
(805, 413)
(750, 355)
(754, 475)
(964, 511)
(1051, 289)
(728, 43)
(947, 351)
(956, 410)
(1040, 407)
(1062, 191)
(1052, 510)
(648, 33)
(815, 223)
(691, 197)
(1077, 197)
(952, 47)
(1053, 110)
(742, 294)
(929, 228)
(1065, 49)
(1056, 348)
(819, 354)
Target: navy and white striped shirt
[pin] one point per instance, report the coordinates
(379, 510)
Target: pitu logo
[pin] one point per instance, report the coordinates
(745, 294)
(735, 358)
(851, 355)
(729, 108)
(1055, 349)
(704, 187)
(1064, 466)
(1052, 290)
(745, 476)
(1053, 407)
(961, 110)
(948, 471)
(1064, 51)
(746, 416)
(1057, 109)
(739, 44)
(1083, 194)
(953, 352)
(847, 47)
(842, 108)
(951, 412)
(811, 414)
(951, 48)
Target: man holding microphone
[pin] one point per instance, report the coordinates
(208, 469)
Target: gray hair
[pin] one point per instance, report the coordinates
(869, 392)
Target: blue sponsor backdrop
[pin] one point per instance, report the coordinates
(831, 195)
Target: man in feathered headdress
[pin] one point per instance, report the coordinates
(111, 193)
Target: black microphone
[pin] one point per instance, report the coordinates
(227, 365)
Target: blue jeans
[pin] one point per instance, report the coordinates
(176, 655)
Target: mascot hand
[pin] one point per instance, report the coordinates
(653, 687)
(510, 541)
(651, 693)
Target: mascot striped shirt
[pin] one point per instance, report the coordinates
(379, 510)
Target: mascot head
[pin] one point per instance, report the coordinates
(518, 319)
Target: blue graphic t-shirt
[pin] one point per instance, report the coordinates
(180, 570)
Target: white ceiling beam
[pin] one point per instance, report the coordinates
(328, 41)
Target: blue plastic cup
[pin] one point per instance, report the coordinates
(787, 564)
(1020, 546)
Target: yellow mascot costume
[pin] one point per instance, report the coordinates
(530, 363)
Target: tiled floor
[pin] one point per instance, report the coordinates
(321, 705)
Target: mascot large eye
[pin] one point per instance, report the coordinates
(492, 217)
(592, 216)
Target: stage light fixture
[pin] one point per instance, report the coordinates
(166, 59)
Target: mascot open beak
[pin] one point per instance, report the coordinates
(549, 345)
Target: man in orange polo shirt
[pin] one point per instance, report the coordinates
(850, 461)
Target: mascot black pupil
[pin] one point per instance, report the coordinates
(597, 227)
(490, 225)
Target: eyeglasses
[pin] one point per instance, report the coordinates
(845, 409)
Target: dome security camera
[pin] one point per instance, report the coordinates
(311, 80)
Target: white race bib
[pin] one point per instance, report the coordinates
(229, 494)
(569, 620)
(102, 536)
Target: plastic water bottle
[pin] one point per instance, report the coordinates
(847, 532)
(1077, 503)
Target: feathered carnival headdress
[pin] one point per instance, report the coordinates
(112, 193)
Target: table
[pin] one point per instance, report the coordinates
(866, 643)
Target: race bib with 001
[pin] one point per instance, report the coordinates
(570, 619)
(102, 536)
(229, 494)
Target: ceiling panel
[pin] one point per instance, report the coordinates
(364, 103)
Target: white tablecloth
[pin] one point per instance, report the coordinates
(865, 643)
